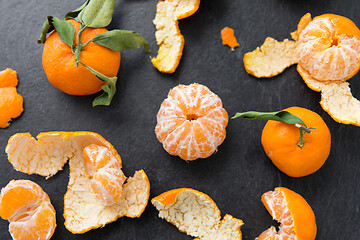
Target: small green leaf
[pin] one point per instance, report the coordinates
(46, 28)
(109, 90)
(76, 12)
(118, 40)
(65, 29)
(281, 116)
(105, 98)
(98, 13)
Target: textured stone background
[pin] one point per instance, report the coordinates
(239, 173)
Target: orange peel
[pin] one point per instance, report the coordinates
(28, 209)
(304, 21)
(336, 98)
(297, 219)
(83, 210)
(197, 215)
(168, 35)
(271, 59)
(11, 103)
(228, 38)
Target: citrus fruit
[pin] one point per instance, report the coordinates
(196, 214)
(59, 62)
(297, 219)
(11, 103)
(83, 209)
(271, 59)
(329, 48)
(28, 209)
(105, 169)
(228, 38)
(168, 36)
(281, 142)
(191, 122)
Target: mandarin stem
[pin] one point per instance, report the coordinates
(79, 47)
(303, 130)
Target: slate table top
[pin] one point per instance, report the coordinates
(240, 172)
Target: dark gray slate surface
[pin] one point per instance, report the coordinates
(239, 173)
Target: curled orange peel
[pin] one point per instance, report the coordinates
(168, 35)
(83, 210)
(11, 103)
(271, 59)
(197, 215)
(336, 98)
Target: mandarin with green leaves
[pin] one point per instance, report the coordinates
(59, 62)
(80, 56)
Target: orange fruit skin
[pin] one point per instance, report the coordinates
(11, 103)
(228, 38)
(169, 197)
(59, 62)
(302, 214)
(342, 24)
(279, 141)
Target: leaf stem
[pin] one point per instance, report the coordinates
(84, 45)
(303, 130)
(79, 47)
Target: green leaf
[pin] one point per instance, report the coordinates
(46, 28)
(118, 40)
(281, 116)
(76, 12)
(65, 29)
(98, 13)
(109, 90)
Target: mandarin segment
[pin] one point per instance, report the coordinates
(11, 103)
(191, 122)
(104, 168)
(168, 36)
(83, 210)
(271, 59)
(197, 215)
(296, 218)
(28, 209)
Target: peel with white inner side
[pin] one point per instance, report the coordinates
(83, 211)
(271, 58)
(168, 35)
(196, 214)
